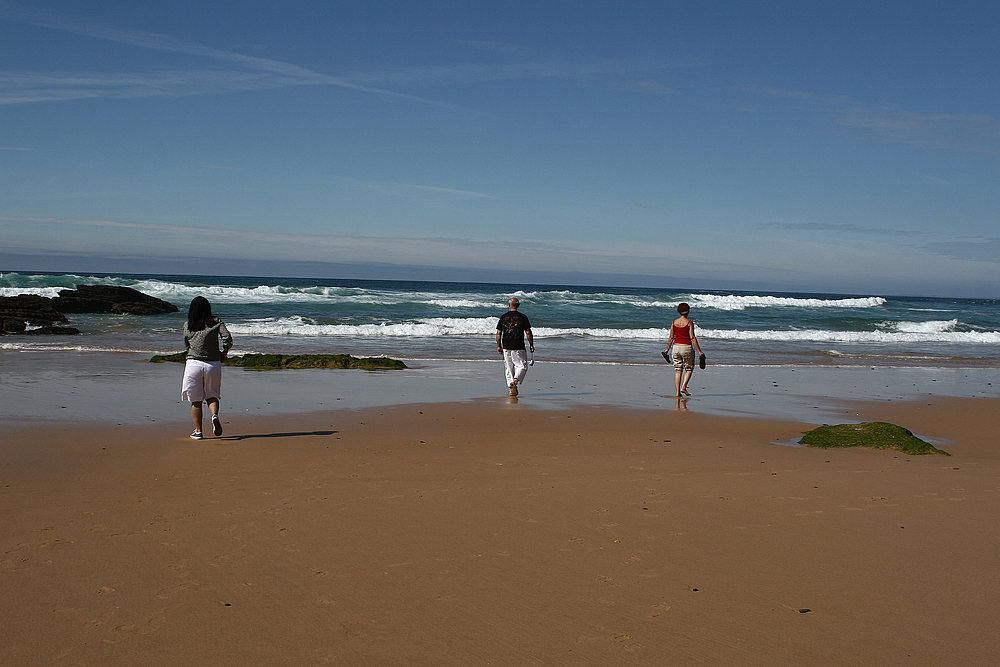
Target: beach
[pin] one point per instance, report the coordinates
(422, 516)
(558, 529)
(364, 223)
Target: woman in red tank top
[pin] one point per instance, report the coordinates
(684, 343)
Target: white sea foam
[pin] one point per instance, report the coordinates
(263, 294)
(734, 302)
(430, 328)
(619, 334)
(486, 326)
(934, 326)
(719, 302)
(39, 291)
(460, 303)
(564, 297)
(24, 346)
(817, 335)
(224, 294)
(180, 293)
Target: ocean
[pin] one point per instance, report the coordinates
(571, 323)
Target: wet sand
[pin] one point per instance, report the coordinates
(496, 533)
(125, 388)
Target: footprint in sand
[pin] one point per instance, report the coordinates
(101, 620)
(627, 641)
(659, 608)
(170, 592)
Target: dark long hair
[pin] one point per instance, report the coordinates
(199, 313)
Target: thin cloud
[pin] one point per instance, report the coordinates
(979, 250)
(115, 223)
(804, 96)
(644, 87)
(842, 228)
(171, 241)
(450, 191)
(257, 73)
(26, 87)
(392, 189)
(430, 251)
(976, 133)
(447, 75)
(967, 133)
(497, 47)
(16, 148)
(18, 88)
(220, 166)
(935, 181)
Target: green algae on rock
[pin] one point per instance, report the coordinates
(282, 361)
(874, 435)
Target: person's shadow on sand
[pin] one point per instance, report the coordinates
(293, 434)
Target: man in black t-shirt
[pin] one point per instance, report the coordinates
(512, 329)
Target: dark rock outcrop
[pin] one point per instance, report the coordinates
(17, 312)
(11, 326)
(53, 331)
(110, 299)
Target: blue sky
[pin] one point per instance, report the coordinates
(818, 146)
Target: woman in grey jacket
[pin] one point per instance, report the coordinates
(207, 341)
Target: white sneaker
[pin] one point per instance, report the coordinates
(196, 435)
(216, 426)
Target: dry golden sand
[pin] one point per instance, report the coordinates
(491, 534)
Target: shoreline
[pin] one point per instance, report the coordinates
(126, 388)
(641, 357)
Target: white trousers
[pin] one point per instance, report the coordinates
(515, 365)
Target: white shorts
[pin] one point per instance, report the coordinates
(202, 380)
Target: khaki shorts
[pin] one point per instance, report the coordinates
(682, 356)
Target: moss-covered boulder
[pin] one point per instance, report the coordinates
(283, 361)
(874, 435)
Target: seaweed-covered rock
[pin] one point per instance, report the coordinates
(283, 361)
(265, 361)
(875, 435)
(110, 299)
(18, 311)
